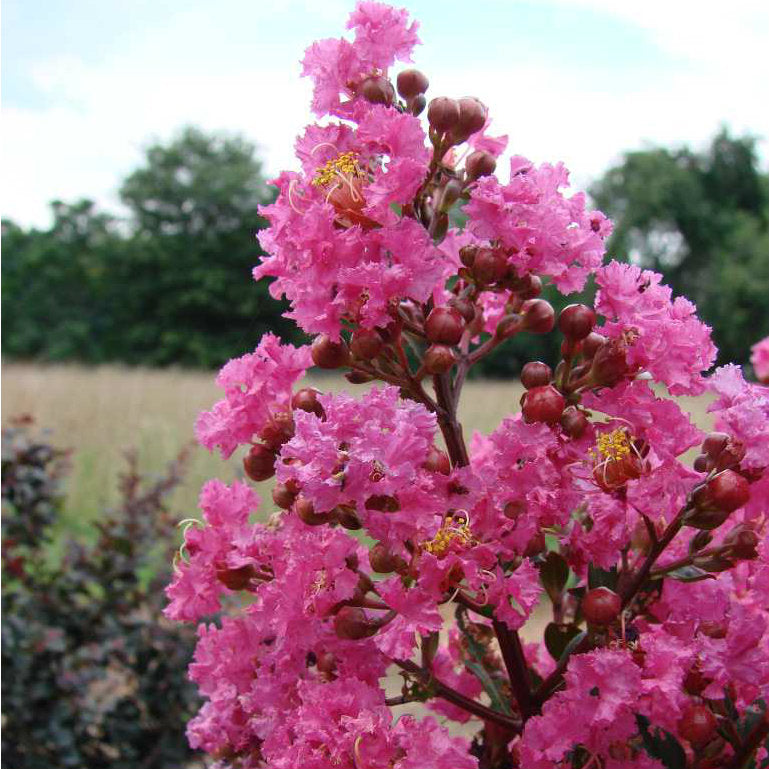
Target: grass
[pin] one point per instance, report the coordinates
(100, 412)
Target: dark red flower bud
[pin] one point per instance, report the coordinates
(472, 117)
(528, 287)
(329, 354)
(609, 363)
(383, 560)
(306, 399)
(543, 404)
(515, 509)
(439, 359)
(278, 430)
(358, 377)
(714, 444)
(574, 422)
(383, 503)
(259, 463)
(592, 343)
(345, 516)
(490, 266)
(444, 325)
(538, 316)
(731, 455)
(306, 512)
(703, 463)
(236, 579)
(601, 606)
(536, 374)
(467, 255)
(576, 321)
(695, 681)
(377, 89)
(350, 622)
(726, 492)
(464, 307)
(437, 461)
(480, 163)
(284, 494)
(697, 725)
(366, 343)
(742, 542)
(411, 83)
(443, 114)
(418, 104)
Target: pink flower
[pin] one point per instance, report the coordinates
(760, 360)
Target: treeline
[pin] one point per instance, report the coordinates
(171, 284)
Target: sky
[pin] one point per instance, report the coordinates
(87, 85)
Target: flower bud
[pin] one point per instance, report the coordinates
(573, 421)
(437, 461)
(443, 114)
(514, 509)
(284, 494)
(464, 307)
(467, 255)
(306, 512)
(358, 377)
(742, 542)
(536, 374)
(345, 516)
(592, 343)
(236, 579)
(329, 354)
(697, 725)
(383, 560)
(703, 463)
(538, 316)
(259, 463)
(326, 664)
(528, 287)
(480, 163)
(714, 444)
(543, 404)
(377, 89)
(726, 492)
(383, 503)
(509, 325)
(609, 364)
(366, 344)
(472, 118)
(490, 266)
(576, 321)
(439, 359)
(418, 104)
(601, 606)
(278, 430)
(444, 325)
(306, 399)
(411, 83)
(451, 194)
(351, 623)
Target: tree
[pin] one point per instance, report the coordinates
(194, 216)
(701, 219)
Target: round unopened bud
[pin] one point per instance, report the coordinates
(576, 321)
(573, 421)
(467, 255)
(592, 343)
(284, 494)
(259, 463)
(306, 512)
(538, 316)
(731, 455)
(351, 623)
(697, 725)
(528, 287)
(490, 266)
(345, 516)
(383, 503)
(444, 325)
(383, 560)
(472, 117)
(278, 430)
(329, 354)
(418, 104)
(601, 606)
(742, 542)
(439, 359)
(358, 377)
(543, 404)
(714, 444)
(609, 364)
(703, 463)
(377, 89)
(536, 374)
(480, 163)
(464, 307)
(236, 579)
(411, 83)
(437, 461)
(725, 492)
(306, 399)
(366, 343)
(443, 113)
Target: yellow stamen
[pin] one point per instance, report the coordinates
(344, 165)
(453, 531)
(612, 446)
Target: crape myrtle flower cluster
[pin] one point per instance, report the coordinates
(400, 549)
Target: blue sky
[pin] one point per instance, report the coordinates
(86, 85)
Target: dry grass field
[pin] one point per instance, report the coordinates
(100, 412)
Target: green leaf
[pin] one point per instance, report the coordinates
(558, 637)
(689, 574)
(554, 574)
(598, 577)
(661, 745)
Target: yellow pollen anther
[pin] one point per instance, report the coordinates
(454, 531)
(344, 165)
(613, 446)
